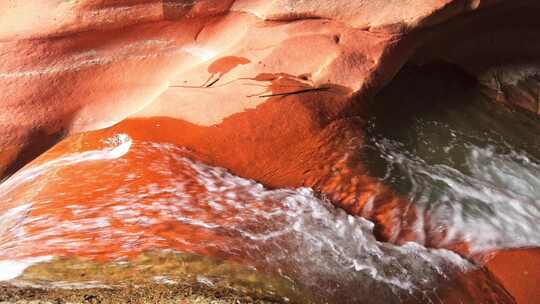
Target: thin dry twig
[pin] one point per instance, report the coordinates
(295, 92)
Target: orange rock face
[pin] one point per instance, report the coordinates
(502, 55)
(518, 271)
(89, 64)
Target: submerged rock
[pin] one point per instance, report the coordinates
(517, 270)
(94, 210)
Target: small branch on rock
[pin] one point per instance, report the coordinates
(295, 92)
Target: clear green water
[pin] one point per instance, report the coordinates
(470, 165)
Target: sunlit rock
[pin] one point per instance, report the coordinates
(89, 64)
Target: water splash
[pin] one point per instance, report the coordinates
(11, 269)
(148, 196)
(115, 147)
(492, 203)
(469, 166)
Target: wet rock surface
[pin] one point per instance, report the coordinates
(134, 196)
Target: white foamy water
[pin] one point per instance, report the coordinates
(115, 147)
(289, 232)
(491, 202)
(10, 269)
(11, 221)
(322, 245)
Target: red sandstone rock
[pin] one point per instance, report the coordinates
(499, 46)
(518, 271)
(89, 64)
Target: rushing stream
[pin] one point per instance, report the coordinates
(470, 166)
(316, 248)
(127, 211)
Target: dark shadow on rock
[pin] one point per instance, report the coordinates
(37, 142)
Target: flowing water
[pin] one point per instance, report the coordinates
(126, 212)
(471, 167)
(317, 252)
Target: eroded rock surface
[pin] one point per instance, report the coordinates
(89, 64)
